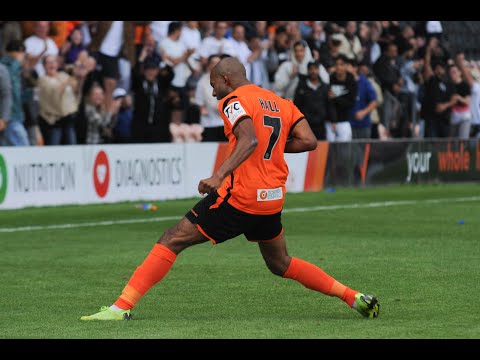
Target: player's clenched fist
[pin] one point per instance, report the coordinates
(207, 186)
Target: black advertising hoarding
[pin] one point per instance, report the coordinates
(402, 161)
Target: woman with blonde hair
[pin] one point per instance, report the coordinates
(59, 96)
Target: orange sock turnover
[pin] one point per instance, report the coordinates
(155, 266)
(312, 277)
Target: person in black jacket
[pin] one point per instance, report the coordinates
(386, 68)
(153, 102)
(342, 95)
(311, 97)
(438, 98)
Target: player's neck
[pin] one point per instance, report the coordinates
(242, 83)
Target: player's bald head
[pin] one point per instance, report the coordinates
(231, 67)
(227, 76)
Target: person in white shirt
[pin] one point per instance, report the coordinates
(113, 45)
(286, 77)
(258, 63)
(175, 54)
(210, 118)
(350, 43)
(216, 44)
(474, 84)
(159, 30)
(40, 45)
(192, 39)
(191, 36)
(241, 50)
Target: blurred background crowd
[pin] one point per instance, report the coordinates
(92, 82)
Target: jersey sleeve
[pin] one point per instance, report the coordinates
(297, 116)
(233, 111)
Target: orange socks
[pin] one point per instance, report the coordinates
(312, 277)
(155, 266)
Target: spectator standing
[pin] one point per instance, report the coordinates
(376, 127)
(374, 50)
(474, 85)
(278, 53)
(40, 45)
(409, 70)
(390, 30)
(461, 116)
(159, 30)
(437, 98)
(111, 42)
(404, 40)
(59, 95)
(192, 39)
(149, 50)
(206, 28)
(265, 37)
(72, 47)
(360, 117)
(311, 97)
(30, 103)
(9, 30)
(240, 46)
(5, 102)
(216, 43)
(175, 54)
(329, 52)
(369, 32)
(316, 39)
(191, 36)
(122, 132)
(210, 118)
(106, 47)
(258, 73)
(100, 121)
(396, 111)
(350, 45)
(386, 68)
(15, 133)
(153, 102)
(286, 77)
(342, 95)
(293, 32)
(365, 103)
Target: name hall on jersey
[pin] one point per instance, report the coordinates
(270, 105)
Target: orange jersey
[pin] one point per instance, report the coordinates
(257, 186)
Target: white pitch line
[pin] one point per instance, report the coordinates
(289, 210)
(89, 224)
(380, 204)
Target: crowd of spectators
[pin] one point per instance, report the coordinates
(91, 82)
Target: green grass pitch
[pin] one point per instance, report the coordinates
(414, 254)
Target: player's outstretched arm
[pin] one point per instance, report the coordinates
(244, 147)
(301, 138)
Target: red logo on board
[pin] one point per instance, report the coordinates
(101, 174)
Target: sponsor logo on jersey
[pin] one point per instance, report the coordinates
(269, 194)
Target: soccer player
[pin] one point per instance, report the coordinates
(245, 195)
